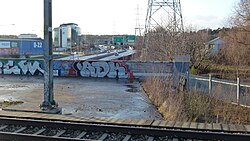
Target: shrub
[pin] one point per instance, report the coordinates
(192, 106)
(194, 70)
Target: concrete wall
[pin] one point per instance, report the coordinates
(109, 69)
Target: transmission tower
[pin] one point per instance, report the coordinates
(138, 28)
(164, 13)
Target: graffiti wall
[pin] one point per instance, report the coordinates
(103, 69)
(100, 69)
(24, 67)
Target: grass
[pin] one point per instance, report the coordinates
(5, 104)
(192, 106)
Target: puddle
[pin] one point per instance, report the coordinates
(132, 89)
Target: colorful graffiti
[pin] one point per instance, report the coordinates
(9, 51)
(100, 69)
(103, 69)
(67, 68)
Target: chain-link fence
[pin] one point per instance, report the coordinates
(231, 91)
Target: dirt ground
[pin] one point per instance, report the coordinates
(81, 96)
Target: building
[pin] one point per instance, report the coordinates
(21, 47)
(66, 36)
(28, 36)
(214, 46)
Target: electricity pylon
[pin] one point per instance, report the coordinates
(164, 14)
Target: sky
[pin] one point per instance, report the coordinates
(105, 16)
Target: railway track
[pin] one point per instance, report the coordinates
(19, 129)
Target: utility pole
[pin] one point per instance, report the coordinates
(49, 103)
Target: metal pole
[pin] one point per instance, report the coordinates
(49, 102)
(210, 85)
(187, 87)
(238, 91)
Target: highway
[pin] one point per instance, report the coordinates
(113, 55)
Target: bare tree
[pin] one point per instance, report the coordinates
(9, 36)
(241, 17)
(236, 41)
(196, 46)
(164, 45)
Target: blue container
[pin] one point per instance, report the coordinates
(31, 47)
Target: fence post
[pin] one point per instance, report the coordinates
(210, 85)
(187, 81)
(238, 91)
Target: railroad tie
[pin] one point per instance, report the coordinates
(59, 133)
(39, 132)
(127, 138)
(247, 127)
(105, 135)
(81, 135)
(3, 127)
(151, 139)
(20, 130)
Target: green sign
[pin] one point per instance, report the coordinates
(118, 39)
(130, 39)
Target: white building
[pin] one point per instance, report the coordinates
(66, 36)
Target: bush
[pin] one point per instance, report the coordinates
(192, 106)
(194, 70)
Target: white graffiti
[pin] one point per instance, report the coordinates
(10, 68)
(29, 67)
(23, 67)
(1, 65)
(101, 69)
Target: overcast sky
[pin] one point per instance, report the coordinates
(105, 16)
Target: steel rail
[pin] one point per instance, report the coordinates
(179, 133)
(30, 137)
